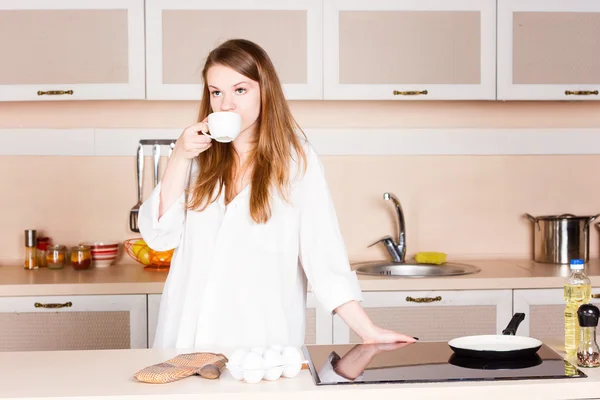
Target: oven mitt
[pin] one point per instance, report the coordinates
(207, 365)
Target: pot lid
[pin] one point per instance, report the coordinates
(566, 216)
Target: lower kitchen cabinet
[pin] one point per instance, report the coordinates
(544, 311)
(433, 315)
(318, 321)
(73, 322)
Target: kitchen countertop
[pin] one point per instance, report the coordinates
(133, 279)
(107, 374)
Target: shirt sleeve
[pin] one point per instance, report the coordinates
(164, 233)
(322, 250)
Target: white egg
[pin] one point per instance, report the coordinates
(237, 357)
(291, 355)
(272, 374)
(252, 361)
(273, 365)
(276, 347)
(253, 365)
(236, 372)
(292, 361)
(272, 358)
(253, 376)
(292, 370)
(258, 350)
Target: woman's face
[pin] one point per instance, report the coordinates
(232, 91)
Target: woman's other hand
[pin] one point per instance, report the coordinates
(192, 142)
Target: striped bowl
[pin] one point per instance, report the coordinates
(103, 253)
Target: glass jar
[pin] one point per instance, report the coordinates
(56, 256)
(42, 248)
(81, 257)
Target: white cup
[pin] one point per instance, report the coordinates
(224, 126)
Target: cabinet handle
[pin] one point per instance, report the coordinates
(596, 296)
(53, 305)
(423, 299)
(410, 92)
(54, 92)
(581, 92)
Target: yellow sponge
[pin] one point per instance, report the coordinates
(430, 257)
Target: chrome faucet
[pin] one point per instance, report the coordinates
(396, 250)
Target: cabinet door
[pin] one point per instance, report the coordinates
(153, 307)
(433, 316)
(181, 33)
(73, 322)
(319, 323)
(410, 49)
(548, 50)
(71, 50)
(544, 312)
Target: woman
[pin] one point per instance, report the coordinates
(250, 221)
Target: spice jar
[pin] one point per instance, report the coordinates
(30, 249)
(81, 257)
(56, 255)
(42, 246)
(588, 353)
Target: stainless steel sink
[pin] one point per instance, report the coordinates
(412, 269)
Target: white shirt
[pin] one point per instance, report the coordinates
(234, 282)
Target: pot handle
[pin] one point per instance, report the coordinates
(566, 215)
(511, 328)
(534, 220)
(591, 219)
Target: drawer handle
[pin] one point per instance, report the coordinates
(596, 296)
(54, 92)
(410, 92)
(53, 305)
(581, 92)
(423, 299)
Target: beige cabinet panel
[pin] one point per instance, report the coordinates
(426, 49)
(434, 316)
(181, 33)
(548, 50)
(71, 50)
(73, 322)
(544, 311)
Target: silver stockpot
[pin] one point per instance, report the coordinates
(557, 239)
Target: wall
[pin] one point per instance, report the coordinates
(467, 206)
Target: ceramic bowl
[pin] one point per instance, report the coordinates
(104, 254)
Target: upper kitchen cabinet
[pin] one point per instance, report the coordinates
(410, 49)
(181, 33)
(548, 49)
(71, 50)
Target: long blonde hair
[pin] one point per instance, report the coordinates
(275, 144)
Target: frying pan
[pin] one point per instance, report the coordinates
(496, 347)
(497, 364)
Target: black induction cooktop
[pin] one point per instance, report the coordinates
(426, 362)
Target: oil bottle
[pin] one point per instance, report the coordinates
(578, 291)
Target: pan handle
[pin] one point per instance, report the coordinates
(511, 328)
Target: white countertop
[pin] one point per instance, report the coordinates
(107, 374)
(133, 279)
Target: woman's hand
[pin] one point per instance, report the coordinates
(380, 335)
(358, 320)
(192, 142)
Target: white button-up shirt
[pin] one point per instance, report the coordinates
(234, 282)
